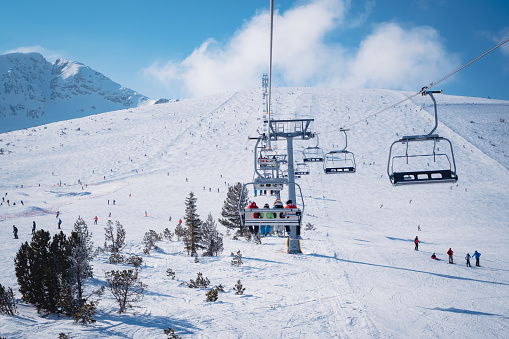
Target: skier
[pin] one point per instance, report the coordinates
(450, 253)
(416, 241)
(467, 258)
(15, 231)
(58, 213)
(95, 220)
(59, 223)
(33, 228)
(477, 255)
(145, 213)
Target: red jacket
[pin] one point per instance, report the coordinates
(291, 206)
(252, 205)
(450, 252)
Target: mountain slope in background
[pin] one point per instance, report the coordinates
(359, 275)
(34, 92)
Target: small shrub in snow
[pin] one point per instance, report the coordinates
(135, 260)
(170, 332)
(170, 273)
(85, 314)
(126, 287)
(62, 335)
(237, 260)
(116, 258)
(196, 260)
(238, 288)
(116, 239)
(220, 288)
(200, 282)
(7, 301)
(167, 234)
(150, 239)
(309, 227)
(212, 295)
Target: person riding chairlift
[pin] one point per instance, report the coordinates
(252, 205)
(290, 204)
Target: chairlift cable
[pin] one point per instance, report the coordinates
(421, 91)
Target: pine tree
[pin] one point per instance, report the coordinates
(212, 239)
(193, 224)
(126, 287)
(118, 242)
(230, 211)
(81, 256)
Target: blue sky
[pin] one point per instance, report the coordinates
(177, 49)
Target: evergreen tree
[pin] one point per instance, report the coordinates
(118, 242)
(126, 287)
(35, 272)
(230, 211)
(81, 256)
(212, 239)
(193, 224)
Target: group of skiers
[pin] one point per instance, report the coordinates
(265, 230)
(450, 253)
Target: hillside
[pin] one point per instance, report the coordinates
(34, 91)
(359, 276)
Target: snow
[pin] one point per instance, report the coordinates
(359, 275)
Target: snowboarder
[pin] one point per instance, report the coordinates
(416, 241)
(418, 227)
(59, 223)
(95, 220)
(467, 258)
(433, 256)
(58, 213)
(450, 253)
(15, 231)
(33, 228)
(477, 255)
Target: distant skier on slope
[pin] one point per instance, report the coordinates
(33, 228)
(15, 231)
(416, 241)
(467, 258)
(433, 256)
(477, 255)
(450, 253)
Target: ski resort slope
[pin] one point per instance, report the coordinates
(359, 275)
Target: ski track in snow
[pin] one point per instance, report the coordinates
(359, 276)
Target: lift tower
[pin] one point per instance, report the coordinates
(290, 129)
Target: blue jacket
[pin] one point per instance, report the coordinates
(476, 255)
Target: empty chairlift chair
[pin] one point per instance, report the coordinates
(418, 159)
(339, 161)
(313, 153)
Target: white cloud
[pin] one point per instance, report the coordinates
(501, 37)
(49, 55)
(390, 57)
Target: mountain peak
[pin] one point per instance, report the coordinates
(33, 91)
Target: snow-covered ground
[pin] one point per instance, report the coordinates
(359, 276)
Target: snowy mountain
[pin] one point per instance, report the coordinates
(358, 276)
(34, 92)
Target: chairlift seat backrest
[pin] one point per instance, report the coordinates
(273, 217)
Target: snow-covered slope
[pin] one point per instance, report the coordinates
(34, 92)
(359, 276)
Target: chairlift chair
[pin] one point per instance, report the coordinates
(313, 153)
(340, 161)
(302, 169)
(270, 217)
(418, 159)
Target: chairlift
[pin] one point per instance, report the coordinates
(302, 169)
(270, 217)
(313, 153)
(418, 159)
(339, 161)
